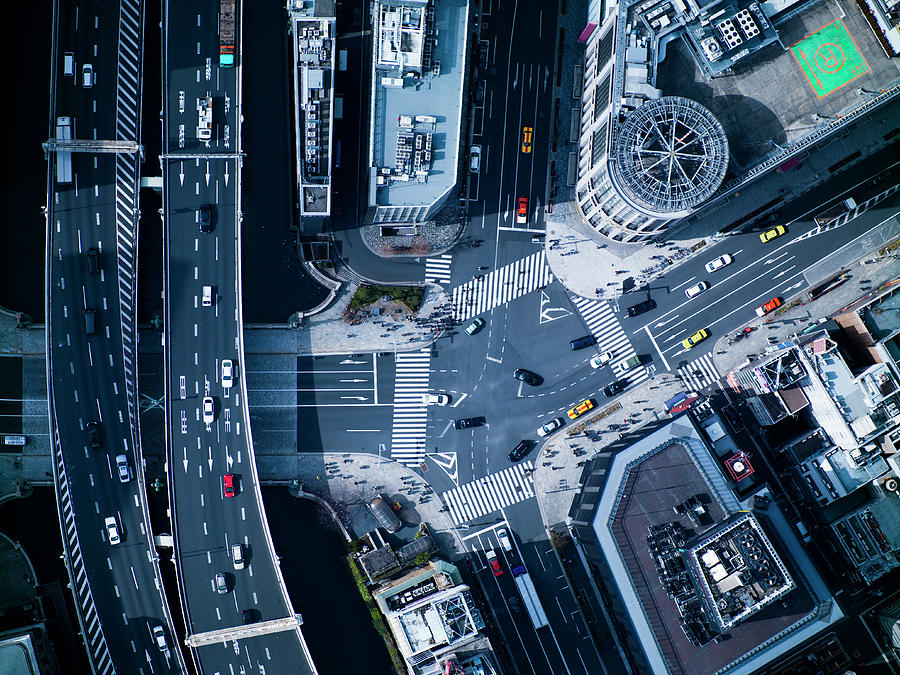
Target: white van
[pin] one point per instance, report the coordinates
(68, 63)
(237, 556)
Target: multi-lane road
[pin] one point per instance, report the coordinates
(92, 228)
(236, 608)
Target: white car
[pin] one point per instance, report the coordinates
(435, 399)
(227, 373)
(550, 427)
(209, 410)
(122, 466)
(503, 538)
(87, 75)
(719, 263)
(159, 637)
(112, 530)
(237, 556)
(600, 360)
(207, 298)
(696, 289)
(475, 158)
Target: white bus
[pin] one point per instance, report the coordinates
(64, 128)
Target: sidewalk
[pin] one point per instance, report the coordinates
(347, 481)
(326, 332)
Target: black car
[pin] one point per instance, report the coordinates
(527, 377)
(641, 307)
(247, 616)
(204, 216)
(514, 605)
(93, 435)
(611, 390)
(582, 342)
(521, 449)
(468, 422)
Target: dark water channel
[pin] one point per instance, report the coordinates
(336, 622)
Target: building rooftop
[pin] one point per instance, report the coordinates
(666, 509)
(417, 90)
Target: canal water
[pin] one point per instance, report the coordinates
(336, 622)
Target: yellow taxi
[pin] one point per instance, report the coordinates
(771, 234)
(526, 138)
(580, 409)
(699, 336)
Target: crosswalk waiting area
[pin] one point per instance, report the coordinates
(437, 270)
(500, 286)
(606, 329)
(410, 421)
(490, 493)
(699, 373)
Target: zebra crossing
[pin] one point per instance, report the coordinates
(500, 286)
(437, 270)
(699, 373)
(411, 375)
(490, 493)
(606, 329)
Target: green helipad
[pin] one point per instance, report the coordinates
(829, 58)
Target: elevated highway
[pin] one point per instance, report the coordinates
(241, 605)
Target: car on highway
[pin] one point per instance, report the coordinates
(206, 299)
(468, 422)
(475, 158)
(228, 484)
(493, 562)
(600, 360)
(221, 584)
(122, 467)
(699, 336)
(68, 63)
(112, 530)
(477, 324)
(247, 616)
(204, 217)
(209, 410)
(237, 556)
(514, 605)
(580, 409)
(719, 263)
(522, 210)
(641, 307)
(527, 133)
(93, 255)
(435, 399)
(521, 449)
(159, 637)
(696, 289)
(614, 388)
(227, 373)
(87, 75)
(527, 376)
(503, 538)
(769, 235)
(550, 427)
(93, 431)
(762, 310)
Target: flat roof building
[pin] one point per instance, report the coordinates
(418, 83)
(684, 101)
(688, 563)
(313, 36)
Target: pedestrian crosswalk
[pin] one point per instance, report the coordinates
(490, 493)
(500, 286)
(437, 270)
(601, 321)
(699, 373)
(412, 372)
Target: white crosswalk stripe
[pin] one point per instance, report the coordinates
(500, 286)
(699, 373)
(490, 493)
(606, 329)
(437, 270)
(412, 372)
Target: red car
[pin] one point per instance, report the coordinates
(762, 310)
(495, 567)
(228, 484)
(522, 211)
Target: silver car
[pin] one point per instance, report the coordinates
(209, 410)
(122, 466)
(221, 584)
